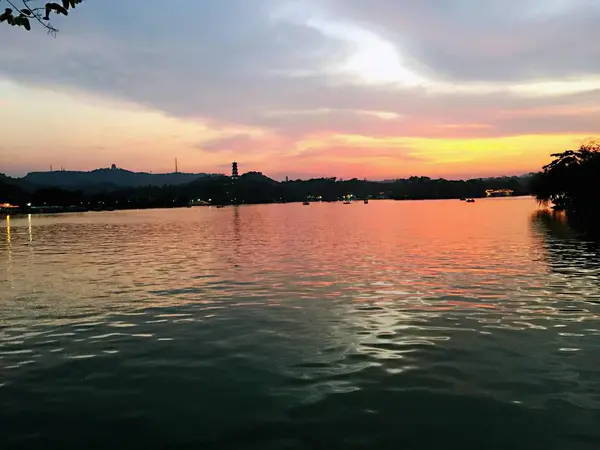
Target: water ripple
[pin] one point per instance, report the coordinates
(278, 319)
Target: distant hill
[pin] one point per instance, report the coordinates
(19, 182)
(12, 189)
(107, 179)
(257, 177)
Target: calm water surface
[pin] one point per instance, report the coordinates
(393, 325)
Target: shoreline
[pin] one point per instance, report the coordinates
(56, 210)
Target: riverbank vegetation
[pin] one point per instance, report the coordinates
(571, 183)
(252, 187)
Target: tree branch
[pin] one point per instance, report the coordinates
(36, 14)
(20, 15)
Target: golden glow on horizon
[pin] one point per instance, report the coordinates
(505, 154)
(90, 132)
(435, 157)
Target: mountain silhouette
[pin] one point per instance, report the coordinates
(107, 179)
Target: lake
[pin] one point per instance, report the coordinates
(393, 325)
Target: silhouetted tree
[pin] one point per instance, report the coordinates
(572, 180)
(22, 13)
(86, 189)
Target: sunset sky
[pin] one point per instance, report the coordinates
(349, 88)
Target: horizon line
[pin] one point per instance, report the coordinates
(275, 179)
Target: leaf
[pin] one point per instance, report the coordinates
(56, 7)
(25, 23)
(18, 21)
(6, 16)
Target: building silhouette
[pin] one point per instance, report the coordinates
(234, 171)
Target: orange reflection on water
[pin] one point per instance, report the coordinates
(8, 229)
(423, 255)
(418, 248)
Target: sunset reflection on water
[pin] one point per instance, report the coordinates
(290, 310)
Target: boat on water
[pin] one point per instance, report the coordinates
(470, 200)
(366, 201)
(306, 203)
(220, 206)
(347, 202)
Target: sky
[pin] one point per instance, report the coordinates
(375, 89)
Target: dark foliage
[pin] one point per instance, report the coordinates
(252, 187)
(571, 182)
(22, 13)
(106, 179)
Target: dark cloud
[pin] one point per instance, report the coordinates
(234, 62)
(492, 40)
(217, 59)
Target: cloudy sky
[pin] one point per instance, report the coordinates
(348, 88)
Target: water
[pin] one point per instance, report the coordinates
(404, 325)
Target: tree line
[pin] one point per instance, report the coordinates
(254, 187)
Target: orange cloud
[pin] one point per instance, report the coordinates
(376, 145)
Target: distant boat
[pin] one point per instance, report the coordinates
(347, 202)
(470, 200)
(220, 206)
(306, 203)
(366, 201)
